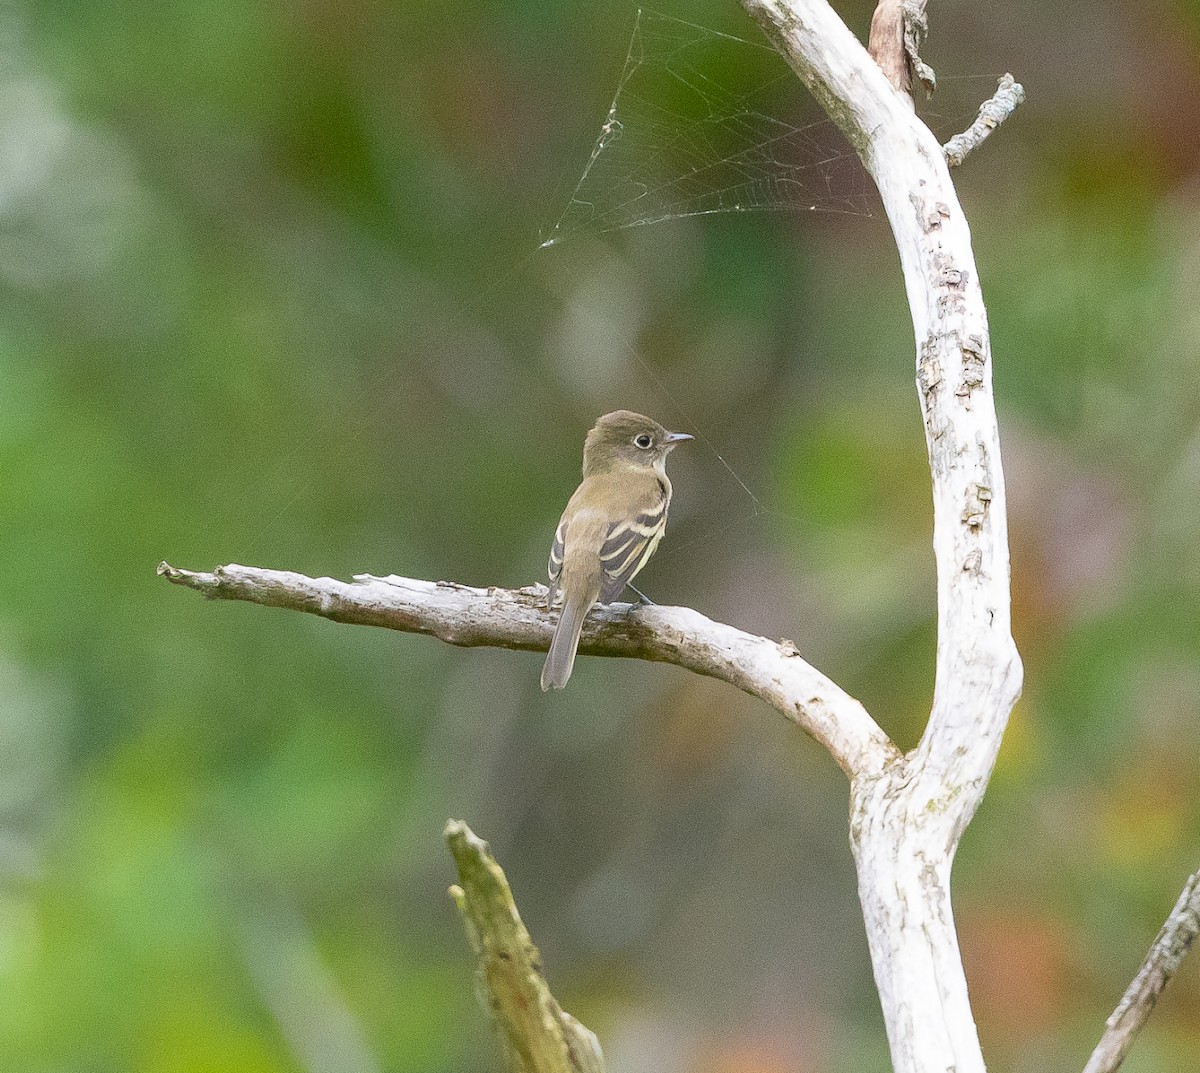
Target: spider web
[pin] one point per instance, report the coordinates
(694, 129)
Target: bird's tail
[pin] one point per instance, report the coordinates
(561, 657)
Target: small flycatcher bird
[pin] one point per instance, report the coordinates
(611, 526)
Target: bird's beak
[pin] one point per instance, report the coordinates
(673, 439)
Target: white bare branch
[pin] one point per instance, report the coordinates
(906, 823)
(517, 618)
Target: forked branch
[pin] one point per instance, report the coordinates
(898, 29)
(907, 812)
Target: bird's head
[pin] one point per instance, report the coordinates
(625, 439)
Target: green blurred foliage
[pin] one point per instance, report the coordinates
(270, 292)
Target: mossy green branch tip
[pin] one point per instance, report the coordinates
(537, 1035)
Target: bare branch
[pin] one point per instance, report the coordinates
(907, 813)
(906, 824)
(898, 28)
(1009, 95)
(978, 675)
(1166, 954)
(517, 618)
(538, 1035)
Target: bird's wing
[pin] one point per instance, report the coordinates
(628, 545)
(554, 568)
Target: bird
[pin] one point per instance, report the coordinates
(610, 527)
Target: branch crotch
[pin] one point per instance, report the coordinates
(903, 861)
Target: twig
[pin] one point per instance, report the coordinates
(1166, 954)
(538, 1035)
(994, 111)
(517, 618)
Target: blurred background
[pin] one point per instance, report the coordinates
(273, 290)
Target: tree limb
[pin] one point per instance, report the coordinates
(538, 1035)
(906, 823)
(1166, 954)
(517, 618)
(978, 670)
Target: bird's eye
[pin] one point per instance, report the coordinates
(643, 441)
